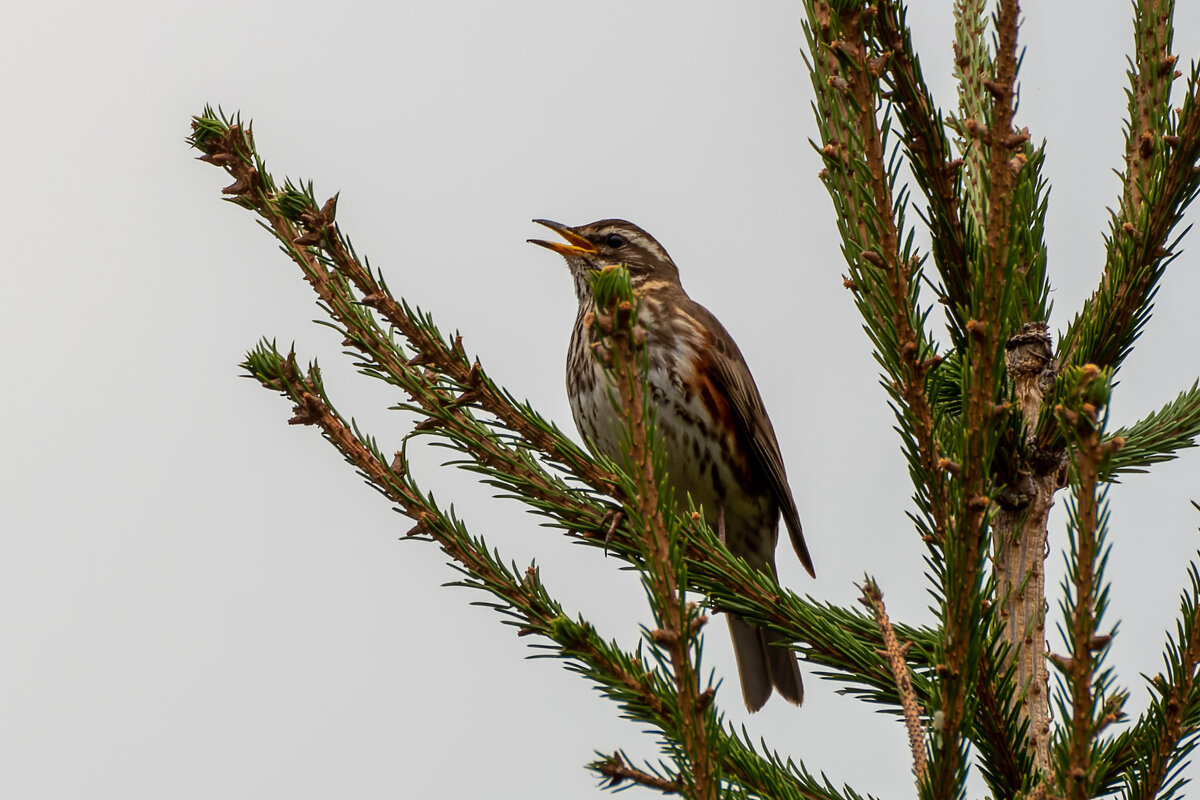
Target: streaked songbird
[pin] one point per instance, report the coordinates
(718, 442)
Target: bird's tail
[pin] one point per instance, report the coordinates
(762, 664)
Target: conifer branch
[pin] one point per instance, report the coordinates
(925, 141)
(988, 308)
(1001, 142)
(627, 681)
(958, 488)
(847, 643)
(759, 777)
(963, 578)
(1147, 760)
(620, 348)
(1008, 237)
(1152, 71)
(1001, 726)
(617, 772)
(884, 270)
(1157, 437)
(1160, 181)
(1087, 698)
(894, 654)
(630, 681)
(347, 289)
(972, 66)
(844, 641)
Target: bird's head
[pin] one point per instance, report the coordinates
(607, 243)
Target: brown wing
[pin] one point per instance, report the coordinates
(735, 381)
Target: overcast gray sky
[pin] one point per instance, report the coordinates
(198, 600)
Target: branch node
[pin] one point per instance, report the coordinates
(1017, 139)
(997, 89)
(664, 638)
(1146, 144)
(946, 465)
(871, 257)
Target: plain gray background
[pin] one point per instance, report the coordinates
(197, 600)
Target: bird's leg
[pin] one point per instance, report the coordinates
(721, 525)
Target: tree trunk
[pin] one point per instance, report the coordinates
(1019, 536)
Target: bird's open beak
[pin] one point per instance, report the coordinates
(575, 245)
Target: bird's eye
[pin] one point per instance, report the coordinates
(614, 240)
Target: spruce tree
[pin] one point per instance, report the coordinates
(997, 418)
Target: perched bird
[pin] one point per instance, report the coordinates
(719, 444)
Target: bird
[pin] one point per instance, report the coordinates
(720, 447)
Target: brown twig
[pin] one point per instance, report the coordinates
(895, 654)
(618, 772)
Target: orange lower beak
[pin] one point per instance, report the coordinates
(575, 245)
